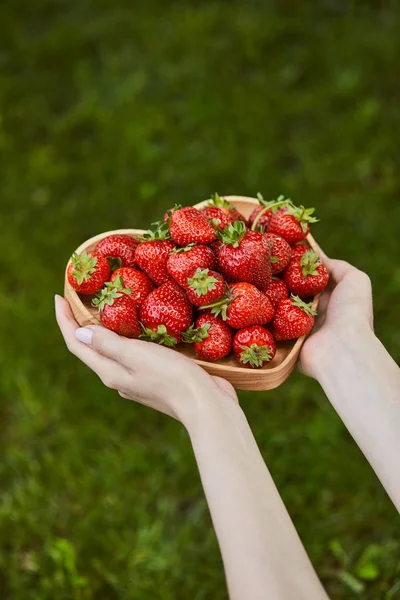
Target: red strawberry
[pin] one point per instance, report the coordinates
(307, 276)
(216, 247)
(219, 217)
(188, 225)
(88, 272)
(170, 212)
(183, 262)
(293, 318)
(280, 252)
(117, 311)
(254, 346)
(205, 287)
(231, 212)
(292, 223)
(298, 251)
(119, 247)
(244, 305)
(137, 282)
(211, 336)
(276, 291)
(166, 314)
(152, 258)
(245, 256)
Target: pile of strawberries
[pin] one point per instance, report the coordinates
(210, 278)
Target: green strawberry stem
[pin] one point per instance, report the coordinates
(160, 336)
(199, 334)
(304, 306)
(255, 355)
(269, 206)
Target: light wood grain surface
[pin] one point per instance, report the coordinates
(266, 378)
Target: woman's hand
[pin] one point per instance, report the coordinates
(345, 308)
(150, 374)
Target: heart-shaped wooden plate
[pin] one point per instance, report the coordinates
(267, 378)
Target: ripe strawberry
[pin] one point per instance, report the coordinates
(292, 223)
(230, 211)
(218, 217)
(245, 256)
(211, 336)
(152, 258)
(216, 247)
(119, 247)
(298, 251)
(117, 311)
(205, 287)
(307, 276)
(293, 318)
(170, 212)
(166, 314)
(280, 252)
(183, 262)
(276, 291)
(136, 281)
(88, 272)
(188, 225)
(244, 305)
(254, 346)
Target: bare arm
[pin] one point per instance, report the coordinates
(262, 553)
(357, 374)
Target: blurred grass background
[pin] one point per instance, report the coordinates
(109, 114)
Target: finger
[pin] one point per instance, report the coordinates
(338, 269)
(110, 373)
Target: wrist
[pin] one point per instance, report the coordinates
(341, 345)
(210, 409)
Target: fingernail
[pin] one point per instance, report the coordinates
(84, 335)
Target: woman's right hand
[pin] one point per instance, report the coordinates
(150, 374)
(345, 307)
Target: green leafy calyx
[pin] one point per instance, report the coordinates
(255, 355)
(217, 200)
(160, 336)
(111, 291)
(303, 215)
(84, 265)
(309, 263)
(199, 334)
(202, 282)
(304, 306)
(233, 234)
(159, 231)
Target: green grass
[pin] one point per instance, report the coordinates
(109, 115)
